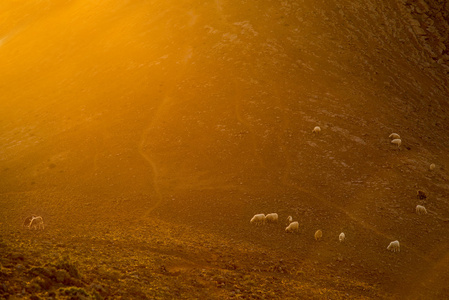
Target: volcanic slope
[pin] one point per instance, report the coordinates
(148, 134)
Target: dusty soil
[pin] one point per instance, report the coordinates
(148, 134)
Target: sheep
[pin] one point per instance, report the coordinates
(289, 219)
(432, 167)
(397, 142)
(27, 221)
(318, 235)
(317, 129)
(394, 246)
(341, 237)
(258, 219)
(394, 136)
(36, 223)
(294, 226)
(271, 218)
(420, 210)
(421, 195)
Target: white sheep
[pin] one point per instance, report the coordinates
(289, 219)
(318, 235)
(394, 136)
(294, 226)
(36, 223)
(271, 218)
(432, 167)
(394, 246)
(258, 219)
(341, 237)
(397, 142)
(27, 221)
(317, 129)
(421, 210)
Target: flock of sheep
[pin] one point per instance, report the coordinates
(394, 246)
(36, 222)
(420, 210)
(261, 219)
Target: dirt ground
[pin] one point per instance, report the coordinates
(147, 134)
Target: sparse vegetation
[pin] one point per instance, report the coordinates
(111, 264)
(147, 133)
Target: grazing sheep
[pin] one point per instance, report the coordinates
(27, 221)
(421, 195)
(421, 210)
(341, 237)
(294, 226)
(271, 218)
(394, 246)
(394, 136)
(289, 219)
(432, 167)
(36, 223)
(317, 129)
(318, 235)
(258, 219)
(397, 142)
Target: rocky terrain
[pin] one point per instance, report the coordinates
(147, 134)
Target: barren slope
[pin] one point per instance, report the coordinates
(163, 127)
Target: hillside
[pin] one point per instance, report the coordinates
(147, 134)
